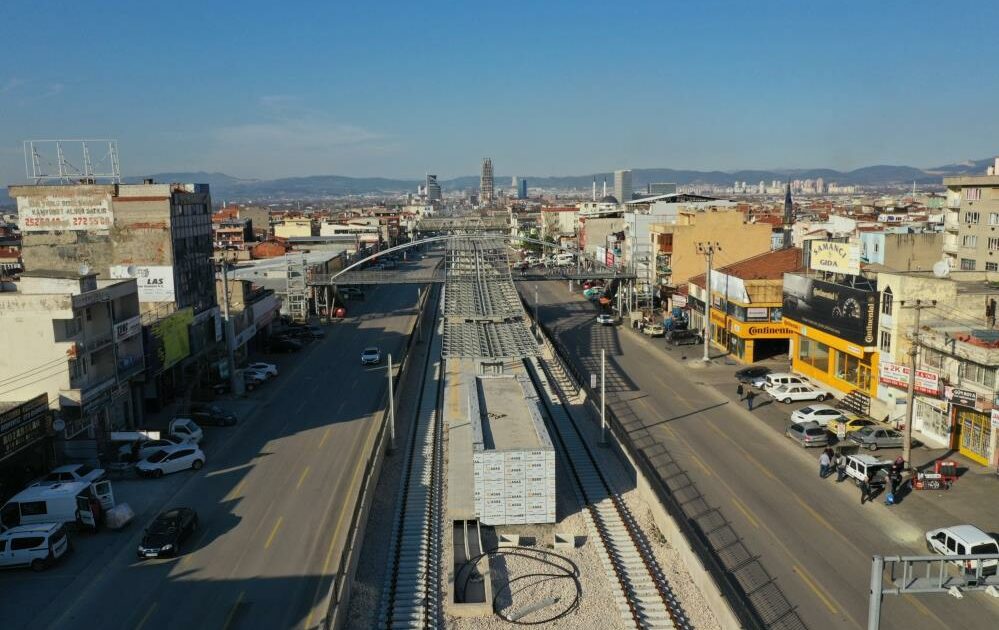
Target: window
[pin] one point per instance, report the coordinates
(991, 266)
(932, 358)
(853, 370)
(969, 240)
(967, 264)
(885, 344)
(994, 218)
(993, 243)
(886, 298)
(973, 194)
(972, 217)
(814, 354)
(34, 508)
(981, 374)
(28, 542)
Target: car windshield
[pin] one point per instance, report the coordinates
(807, 410)
(157, 457)
(83, 470)
(814, 431)
(162, 526)
(370, 351)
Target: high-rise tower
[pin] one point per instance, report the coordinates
(622, 186)
(788, 217)
(486, 182)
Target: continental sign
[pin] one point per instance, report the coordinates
(761, 330)
(834, 256)
(849, 313)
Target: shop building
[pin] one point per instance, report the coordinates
(746, 302)
(25, 443)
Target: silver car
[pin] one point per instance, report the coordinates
(873, 438)
(807, 434)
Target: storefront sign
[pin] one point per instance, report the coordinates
(833, 256)
(764, 331)
(609, 259)
(730, 287)
(963, 397)
(898, 376)
(679, 300)
(127, 328)
(155, 283)
(717, 318)
(80, 212)
(995, 419)
(757, 314)
(23, 424)
(848, 313)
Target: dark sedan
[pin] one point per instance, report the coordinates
(212, 415)
(165, 534)
(752, 373)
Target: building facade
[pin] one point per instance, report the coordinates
(622, 186)
(972, 242)
(486, 190)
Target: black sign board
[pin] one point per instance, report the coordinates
(23, 424)
(846, 312)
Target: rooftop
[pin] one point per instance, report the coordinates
(508, 420)
(768, 266)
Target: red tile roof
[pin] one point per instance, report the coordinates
(768, 266)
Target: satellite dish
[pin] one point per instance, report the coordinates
(58, 424)
(130, 270)
(941, 269)
(84, 269)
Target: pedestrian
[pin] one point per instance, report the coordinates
(865, 489)
(739, 390)
(824, 462)
(750, 395)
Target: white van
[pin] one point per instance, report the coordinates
(776, 379)
(72, 502)
(964, 540)
(35, 546)
(565, 260)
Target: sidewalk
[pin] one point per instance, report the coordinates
(971, 500)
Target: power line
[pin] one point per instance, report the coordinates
(26, 373)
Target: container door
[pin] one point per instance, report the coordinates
(84, 511)
(10, 515)
(104, 494)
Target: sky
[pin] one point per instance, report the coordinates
(265, 89)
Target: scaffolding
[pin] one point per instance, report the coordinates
(297, 288)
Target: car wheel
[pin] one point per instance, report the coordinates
(158, 473)
(37, 565)
(786, 401)
(872, 446)
(197, 464)
(822, 397)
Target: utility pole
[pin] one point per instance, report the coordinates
(391, 407)
(537, 322)
(603, 396)
(910, 396)
(708, 249)
(235, 383)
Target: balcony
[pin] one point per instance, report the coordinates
(953, 204)
(92, 343)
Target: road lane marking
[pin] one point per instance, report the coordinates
(326, 434)
(700, 464)
(236, 491)
(818, 517)
(815, 589)
(146, 616)
(745, 512)
(305, 473)
(232, 611)
(274, 532)
(301, 406)
(745, 453)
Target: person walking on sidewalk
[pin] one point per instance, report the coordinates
(740, 391)
(865, 489)
(824, 463)
(750, 395)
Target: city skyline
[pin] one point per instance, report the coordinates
(277, 109)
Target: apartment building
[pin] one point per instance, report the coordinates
(972, 221)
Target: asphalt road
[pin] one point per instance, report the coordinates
(811, 535)
(273, 500)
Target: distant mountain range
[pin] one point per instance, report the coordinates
(226, 187)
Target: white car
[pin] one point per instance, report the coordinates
(820, 414)
(267, 368)
(606, 319)
(171, 460)
(798, 392)
(71, 473)
(371, 356)
(37, 546)
(260, 375)
(964, 540)
(148, 447)
(186, 429)
(776, 379)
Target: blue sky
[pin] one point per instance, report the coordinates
(272, 89)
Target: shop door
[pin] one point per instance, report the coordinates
(975, 431)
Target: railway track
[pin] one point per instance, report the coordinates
(412, 594)
(643, 596)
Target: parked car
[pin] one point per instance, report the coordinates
(68, 502)
(776, 379)
(607, 319)
(654, 330)
(850, 423)
(171, 460)
(684, 337)
(267, 368)
(752, 373)
(145, 448)
(165, 534)
(37, 546)
(807, 434)
(874, 437)
(317, 332)
(300, 334)
(593, 293)
(212, 415)
(71, 473)
(352, 293)
(186, 429)
(371, 356)
(964, 540)
(860, 466)
(253, 378)
(284, 344)
(821, 414)
(791, 393)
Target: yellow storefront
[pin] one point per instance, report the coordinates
(837, 363)
(740, 338)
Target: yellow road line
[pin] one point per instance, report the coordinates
(274, 532)
(305, 473)
(326, 434)
(745, 512)
(815, 589)
(236, 491)
(818, 517)
(146, 616)
(232, 611)
(700, 464)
